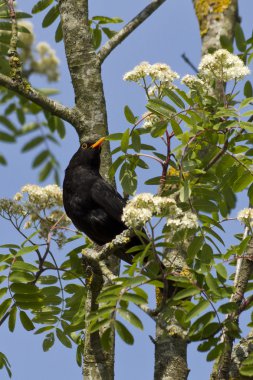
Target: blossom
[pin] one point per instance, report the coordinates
(136, 217)
(26, 38)
(150, 120)
(162, 72)
(246, 216)
(186, 221)
(47, 63)
(142, 207)
(138, 72)
(158, 72)
(223, 66)
(48, 196)
(192, 81)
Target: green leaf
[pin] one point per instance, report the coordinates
(32, 143)
(174, 97)
(129, 115)
(44, 173)
(239, 38)
(206, 254)
(6, 137)
(41, 5)
(125, 141)
(48, 342)
(7, 123)
(161, 108)
(3, 291)
(248, 91)
(21, 277)
(242, 182)
(245, 102)
(195, 246)
(106, 339)
(25, 250)
(247, 366)
(159, 128)
(26, 321)
(196, 310)
(58, 33)
(5, 306)
(21, 265)
(60, 127)
(108, 32)
(107, 20)
(176, 127)
(40, 158)
(24, 288)
(115, 136)
(221, 270)
(128, 179)
(226, 43)
(124, 333)
(96, 37)
(131, 318)
(185, 293)
(51, 16)
(2, 160)
(135, 298)
(228, 307)
(12, 318)
(63, 338)
(212, 284)
(215, 352)
(136, 140)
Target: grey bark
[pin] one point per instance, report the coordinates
(85, 72)
(171, 339)
(216, 19)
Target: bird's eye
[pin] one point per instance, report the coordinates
(84, 146)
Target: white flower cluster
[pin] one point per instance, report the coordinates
(142, 207)
(44, 197)
(185, 221)
(48, 62)
(26, 38)
(158, 72)
(192, 81)
(42, 207)
(245, 216)
(150, 119)
(223, 66)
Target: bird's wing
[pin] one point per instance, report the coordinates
(108, 198)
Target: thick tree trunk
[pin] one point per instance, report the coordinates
(170, 352)
(216, 18)
(171, 340)
(85, 71)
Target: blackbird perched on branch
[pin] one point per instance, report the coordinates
(95, 207)
(92, 204)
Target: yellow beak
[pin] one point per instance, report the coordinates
(98, 143)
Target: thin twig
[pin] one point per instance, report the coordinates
(187, 60)
(28, 92)
(128, 29)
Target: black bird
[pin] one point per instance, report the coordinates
(95, 207)
(92, 204)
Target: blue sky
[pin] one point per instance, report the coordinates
(168, 33)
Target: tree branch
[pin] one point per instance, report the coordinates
(245, 269)
(128, 29)
(33, 95)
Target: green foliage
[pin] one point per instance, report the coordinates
(98, 30)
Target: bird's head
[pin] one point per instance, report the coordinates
(88, 155)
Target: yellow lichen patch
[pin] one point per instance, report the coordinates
(89, 279)
(203, 8)
(158, 296)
